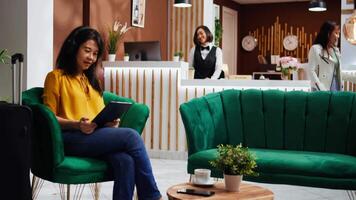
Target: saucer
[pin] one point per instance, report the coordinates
(210, 183)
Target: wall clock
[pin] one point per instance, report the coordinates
(249, 43)
(290, 42)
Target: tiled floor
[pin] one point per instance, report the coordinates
(171, 172)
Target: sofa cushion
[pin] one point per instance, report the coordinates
(305, 163)
(301, 163)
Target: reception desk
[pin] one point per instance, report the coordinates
(163, 86)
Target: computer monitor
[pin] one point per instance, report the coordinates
(143, 50)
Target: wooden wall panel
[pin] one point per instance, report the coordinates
(183, 22)
(281, 30)
(296, 15)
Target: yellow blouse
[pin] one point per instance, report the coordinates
(71, 97)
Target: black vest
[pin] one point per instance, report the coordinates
(205, 68)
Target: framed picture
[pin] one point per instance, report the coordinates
(349, 1)
(138, 13)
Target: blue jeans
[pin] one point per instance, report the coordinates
(125, 152)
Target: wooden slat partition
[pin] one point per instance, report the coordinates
(183, 22)
(270, 40)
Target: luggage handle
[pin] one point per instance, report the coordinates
(14, 58)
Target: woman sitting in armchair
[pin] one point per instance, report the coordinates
(73, 93)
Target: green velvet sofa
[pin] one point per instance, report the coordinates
(299, 138)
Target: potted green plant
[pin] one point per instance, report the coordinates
(176, 56)
(218, 32)
(234, 161)
(180, 54)
(126, 57)
(4, 56)
(116, 33)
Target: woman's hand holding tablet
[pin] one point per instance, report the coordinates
(111, 112)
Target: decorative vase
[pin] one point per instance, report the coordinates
(176, 58)
(126, 58)
(112, 57)
(232, 182)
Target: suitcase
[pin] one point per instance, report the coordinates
(15, 126)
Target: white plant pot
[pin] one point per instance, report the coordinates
(176, 58)
(126, 58)
(232, 182)
(112, 57)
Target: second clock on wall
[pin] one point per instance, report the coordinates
(290, 42)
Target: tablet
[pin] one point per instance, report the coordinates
(112, 111)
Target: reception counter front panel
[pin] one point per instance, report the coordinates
(163, 86)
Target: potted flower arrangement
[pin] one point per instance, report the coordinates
(234, 161)
(288, 65)
(116, 33)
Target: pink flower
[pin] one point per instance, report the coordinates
(289, 62)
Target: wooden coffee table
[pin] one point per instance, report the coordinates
(247, 192)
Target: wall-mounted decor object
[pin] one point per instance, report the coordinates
(138, 13)
(249, 43)
(317, 5)
(349, 1)
(349, 27)
(290, 42)
(270, 40)
(182, 3)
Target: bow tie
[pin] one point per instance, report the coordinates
(203, 48)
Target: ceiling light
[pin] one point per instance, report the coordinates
(182, 3)
(317, 5)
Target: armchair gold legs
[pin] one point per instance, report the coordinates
(64, 190)
(95, 190)
(36, 184)
(66, 194)
(351, 194)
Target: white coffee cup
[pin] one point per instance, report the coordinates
(202, 176)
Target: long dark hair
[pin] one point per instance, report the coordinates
(323, 36)
(67, 58)
(209, 35)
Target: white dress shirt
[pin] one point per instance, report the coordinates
(204, 54)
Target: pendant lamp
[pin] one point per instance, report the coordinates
(182, 3)
(349, 28)
(317, 5)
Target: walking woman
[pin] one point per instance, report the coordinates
(324, 58)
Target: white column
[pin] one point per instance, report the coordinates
(209, 15)
(39, 41)
(27, 28)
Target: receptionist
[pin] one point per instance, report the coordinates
(204, 57)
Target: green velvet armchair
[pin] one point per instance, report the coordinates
(49, 161)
